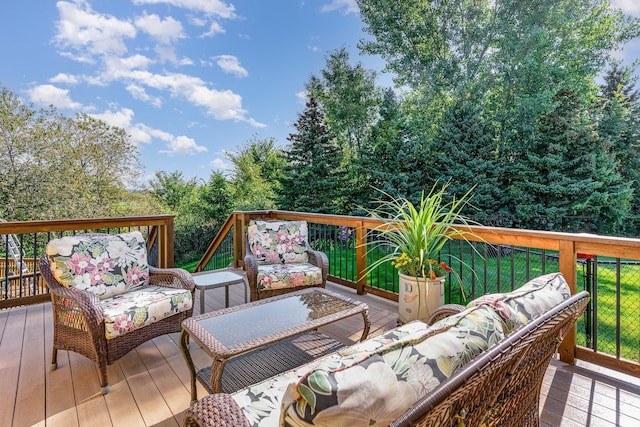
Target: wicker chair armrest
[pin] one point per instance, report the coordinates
(81, 302)
(171, 278)
(251, 268)
(319, 259)
(216, 410)
(445, 311)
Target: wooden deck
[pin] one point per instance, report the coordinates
(150, 385)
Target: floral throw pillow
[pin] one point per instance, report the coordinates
(529, 301)
(104, 264)
(278, 242)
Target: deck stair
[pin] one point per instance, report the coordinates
(12, 244)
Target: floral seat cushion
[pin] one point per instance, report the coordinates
(142, 306)
(104, 264)
(529, 301)
(278, 242)
(278, 276)
(375, 382)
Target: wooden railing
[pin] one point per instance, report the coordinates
(22, 288)
(555, 251)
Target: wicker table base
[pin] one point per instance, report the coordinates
(266, 362)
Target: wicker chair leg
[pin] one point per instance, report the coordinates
(104, 381)
(54, 359)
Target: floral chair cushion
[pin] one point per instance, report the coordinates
(104, 264)
(142, 306)
(374, 382)
(277, 242)
(531, 300)
(278, 276)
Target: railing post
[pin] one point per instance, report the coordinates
(567, 266)
(361, 259)
(238, 239)
(166, 243)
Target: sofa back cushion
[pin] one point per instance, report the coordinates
(378, 380)
(277, 242)
(528, 301)
(104, 264)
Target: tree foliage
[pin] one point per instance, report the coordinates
(60, 167)
(348, 97)
(312, 177)
(255, 175)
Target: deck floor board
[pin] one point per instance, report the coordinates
(150, 385)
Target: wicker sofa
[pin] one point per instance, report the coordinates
(107, 300)
(278, 259)
(479, 365)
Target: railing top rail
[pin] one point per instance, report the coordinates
(20, 227)
(482, 233)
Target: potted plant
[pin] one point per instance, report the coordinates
(411, 238)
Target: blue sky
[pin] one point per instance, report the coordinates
(188, 79)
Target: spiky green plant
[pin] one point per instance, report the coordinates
(419, 232)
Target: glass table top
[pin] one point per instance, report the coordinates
(254, 322)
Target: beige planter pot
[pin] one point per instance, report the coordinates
(419, 297)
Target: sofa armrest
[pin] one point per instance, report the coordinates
(216, 410)
(445, 311)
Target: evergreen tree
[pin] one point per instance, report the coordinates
(312, 178)
(464, 154)
(389, 162)
(569, 180)
(620, 123)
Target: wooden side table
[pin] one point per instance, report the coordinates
(216, 279)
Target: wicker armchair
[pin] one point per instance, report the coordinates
(90, 287)
(278, 259)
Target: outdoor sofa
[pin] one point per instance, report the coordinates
(479, 365)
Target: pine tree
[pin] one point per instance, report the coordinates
(311, 180)
(620, 124)
(464, 154)
(389, 162)
(569, 180)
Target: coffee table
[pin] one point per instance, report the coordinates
(261, 339)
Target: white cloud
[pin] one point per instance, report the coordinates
(222, 105)
(166, 31)
(81, 28)
(140, 94)
(64, 78)
(52, 95)
(220, 165)
(90, 36)
(141, 133)
(183, 145)
(631, 7)
(303, 96)
(350, 6)
(211, 7)
(214, 28)
(230, 64)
